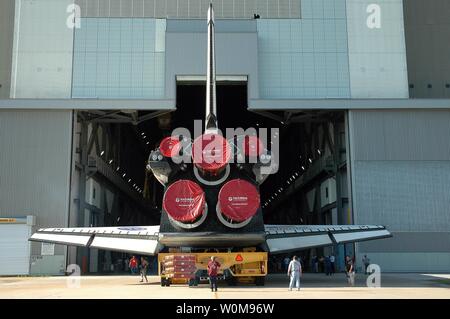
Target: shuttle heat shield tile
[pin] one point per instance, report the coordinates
(211, 152)
(238, 200)
(184, 201)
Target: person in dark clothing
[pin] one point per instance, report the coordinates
(327, 266)
(144, 268)
(213, 269)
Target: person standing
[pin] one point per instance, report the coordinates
(350, 269)
(294, 273)
(286, 263)
(327, 266)
(332, 261)
(133, 265)
(366, 263)
(213, 269)
(144, 268)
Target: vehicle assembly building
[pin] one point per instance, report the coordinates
(359, 91)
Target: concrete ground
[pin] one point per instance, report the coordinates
(315, 286)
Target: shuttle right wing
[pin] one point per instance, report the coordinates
(283, 238)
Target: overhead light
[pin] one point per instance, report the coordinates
(129, 180)
(303, 167)
(310, 160)
(124, 175)
(101, 154)
(148, 143)
(142, 133)
(118, 167)
(110, 161)
(318, 151)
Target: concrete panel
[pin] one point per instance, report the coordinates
(377, 56)
(35, 167)
(400, 169)
(305, 58)
(409, 135)
(402, 195)
(411, 242)
(235, 55)
(408, 262)
(229, 9)
(427, 30)
(119, 59)
(42, 54)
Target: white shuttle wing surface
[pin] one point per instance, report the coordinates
(283, 238)
(131, 239)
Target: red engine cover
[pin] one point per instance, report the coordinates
(239, 200)
(169, 146)
(211, 152)
(184, 201)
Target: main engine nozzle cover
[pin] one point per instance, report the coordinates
(238, 200)
(184, 201)
(170, 146)
(211, 152)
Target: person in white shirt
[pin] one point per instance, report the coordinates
(294, 273)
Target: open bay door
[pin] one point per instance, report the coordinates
(14, 245)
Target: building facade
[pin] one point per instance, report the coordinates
(365, 83)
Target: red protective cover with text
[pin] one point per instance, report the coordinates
(239, 200)
(184, 201)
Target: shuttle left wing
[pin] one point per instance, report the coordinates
(132, 239)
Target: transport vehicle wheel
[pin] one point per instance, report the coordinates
(260, 281)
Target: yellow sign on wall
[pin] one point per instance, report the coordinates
(8, 220)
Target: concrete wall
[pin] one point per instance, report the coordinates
(427, 29)
(307, 57)
(400, 165)
(6, 45)
(377, 56)
(35, 169)
(119, 58)
(43, 50)
(236, 51)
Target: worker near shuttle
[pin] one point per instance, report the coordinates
(213, 269)
(294, 273)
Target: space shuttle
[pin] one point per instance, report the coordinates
(211, 197)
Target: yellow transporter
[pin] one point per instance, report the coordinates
(236, 267)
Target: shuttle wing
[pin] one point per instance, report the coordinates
(132, 239)
(283, 238)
